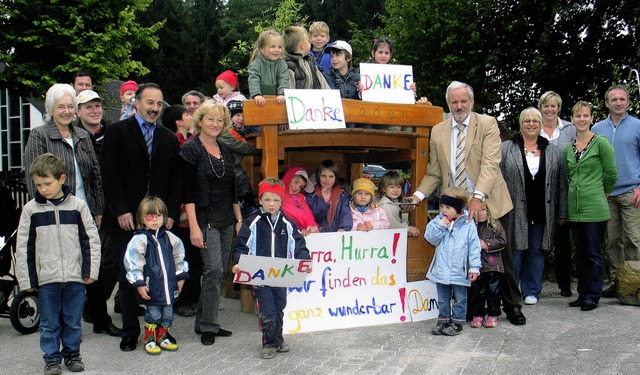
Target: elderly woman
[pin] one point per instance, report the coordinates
(559, 133)
(591, 166)
(69, 143)
(212, 208)
(535, 175)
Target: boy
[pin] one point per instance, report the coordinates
(177, 119)
(270, 233)
(303, 73)
(342, 75)
(456, 263)
(319, 39)
(58, 252)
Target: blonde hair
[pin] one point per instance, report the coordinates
(319, 27)
(391, 178)
(581, 104)
(548, 97)
(530, 112)
(263, 42)
(292, 36)
(153, 205)
(207, 107)
(490, 219)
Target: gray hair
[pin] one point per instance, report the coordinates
(457, 84)
(194, 93)
(54, 94)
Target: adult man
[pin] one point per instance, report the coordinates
(623, 230)
(480, 173)
(81, 81)
(138, 158)
(192, 100)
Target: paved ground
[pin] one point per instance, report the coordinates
(556, 340)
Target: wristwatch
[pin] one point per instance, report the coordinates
(481, 197)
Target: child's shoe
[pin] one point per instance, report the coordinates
(477, 321)
(52, 368)
(437, 330)
(492, 322)
(452, 329)
(73, 361)
(268, 352)
(162, 339)
(149, 340)
(284, 347)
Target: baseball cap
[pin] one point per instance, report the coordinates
(339, 44)
(86, 96)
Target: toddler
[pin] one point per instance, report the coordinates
(127, 98)
(391, 197)
(268, 72)
(227, 88)
(154, 261)
(365, 214)
(294, 204)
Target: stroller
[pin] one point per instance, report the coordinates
(19, 306)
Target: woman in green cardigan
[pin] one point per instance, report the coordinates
(592, 174)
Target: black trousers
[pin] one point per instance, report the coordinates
(562, 256)
(486, 290)
(128, 294)
(511, 294)
(99, 291)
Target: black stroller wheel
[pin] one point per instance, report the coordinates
(24, 313)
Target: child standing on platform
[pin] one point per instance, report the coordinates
(319, 32)
(268, 72)
(303, 73)
(456, 262)
(365, 216)
(227, 88)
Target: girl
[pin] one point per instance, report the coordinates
(268, 72)
(329, 202)
(365, 216)
(227, 88)
(155, 266)
(294, 203)
(390, 199)
(488, 287)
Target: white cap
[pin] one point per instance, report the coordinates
(309, 186)
(86, 96)
(339, 44)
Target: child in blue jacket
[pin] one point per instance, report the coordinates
(270, 234)
(456, 262)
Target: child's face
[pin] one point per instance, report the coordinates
(382, 55)
(238, 120)
(273, 50)
(223, 88)
(128, 96)
(393, 191)
(49, 187)
(483, 215)
(153, 221)
(449, 212)
(319, 41)
(362, 198)
(270, 202)
(339, 61)
(327, 179)
(297, 184)
(186, 122)
(304, 46)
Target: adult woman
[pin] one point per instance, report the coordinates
(592, 171)
(329, 202)
(535, 175)
(69, 143)
(212, 209)
(559, 133)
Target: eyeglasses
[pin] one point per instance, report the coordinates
(150, 217)
(531, 121)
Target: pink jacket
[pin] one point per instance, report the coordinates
(377, 217)
(295, 206)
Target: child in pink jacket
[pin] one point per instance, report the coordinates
(364, 216)
(294, 202)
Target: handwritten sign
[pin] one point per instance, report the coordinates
(387, 83)
(422, 300)
(314, 109)
(358, 279)
(279, 272)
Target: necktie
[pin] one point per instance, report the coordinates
(461, 175)
(148, 137)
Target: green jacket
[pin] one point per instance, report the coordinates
(589, 179)
(267, 77)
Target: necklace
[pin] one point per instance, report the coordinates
(224, 170)
(529, 152)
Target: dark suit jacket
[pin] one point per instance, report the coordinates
(126, 172)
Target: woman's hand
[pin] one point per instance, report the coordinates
(196, 237)
(238, 227)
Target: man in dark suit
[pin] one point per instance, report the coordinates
(139, 158)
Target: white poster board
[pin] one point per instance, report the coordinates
(387, 83)
(278, 272)
(422, 300)
(314, 109)
(358, 279)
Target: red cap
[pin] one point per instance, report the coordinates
(229, 77)
(129, 85)
(265, 187)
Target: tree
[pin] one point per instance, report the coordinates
(47, 41)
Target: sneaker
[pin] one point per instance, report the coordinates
(437, 330)
(492, 322)
(52, 368)
(268, 352)
(477, 321)
(74, 362)
(530, 300)
(452, 329)
(284, 347)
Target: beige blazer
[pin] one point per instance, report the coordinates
(483, 154)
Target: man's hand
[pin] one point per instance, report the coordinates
(635, 201)
(98, 220)
(474, 209)
(125, 221)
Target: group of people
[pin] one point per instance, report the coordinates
(114, 193)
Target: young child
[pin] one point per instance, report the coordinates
(268, 72)
(127, 98)
(488, 286)
(365, 216)
(227, 88)
(58, 252)
(294, 203)
(342, 75)
(155, 266)
(177, 119)
(390, 189)
(329, 202)
(270, 234)
(303, 73)
(319, 31)
(456, 262)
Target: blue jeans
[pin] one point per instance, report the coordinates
(589, 260)
(215, 260)
(159, 315)
(456, 313)
(530, 263)
(60, 307)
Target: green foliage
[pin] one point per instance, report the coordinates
(622, 77)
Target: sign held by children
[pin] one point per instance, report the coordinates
(278, 272)
(387, 83)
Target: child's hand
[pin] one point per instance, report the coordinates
(413, 231)
(88, 280)
(235, 269)
(143, 291)
(445, 220)
(309, 230)
(360, 86)
(180, 285)
(280, 99)
(309, 268)
(413, 87)
(259, 100)
(473, 277)
(424, 100)
(483, 245)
